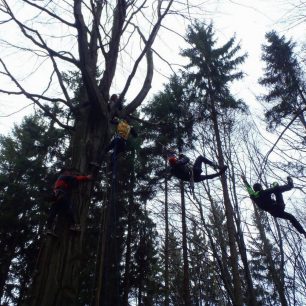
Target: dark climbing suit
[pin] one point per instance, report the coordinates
(179, 169)
(276, 208)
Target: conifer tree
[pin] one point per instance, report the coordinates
(210, 71)
(284, 79)
(27, 158)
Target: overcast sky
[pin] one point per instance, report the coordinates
(249, 20)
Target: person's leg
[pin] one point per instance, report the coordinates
(54, 209)
(71, 212)
(293, 220)
(201, 159)
(201, 177)
(68, 209)
(120, 146)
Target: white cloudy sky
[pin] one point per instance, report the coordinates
(248, 19)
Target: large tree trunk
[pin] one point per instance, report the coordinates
(57, 280)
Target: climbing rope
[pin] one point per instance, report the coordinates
(191, 183)
(113, 207)
(265, 159)
(101, 246)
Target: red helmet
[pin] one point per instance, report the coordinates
(172, 160)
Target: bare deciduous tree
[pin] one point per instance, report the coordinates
(91, 38)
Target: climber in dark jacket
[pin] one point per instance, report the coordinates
(180, 168)
(263, 199)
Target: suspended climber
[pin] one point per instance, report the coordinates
(276, 208)
(63, 187)
(119, 141)
(180, 168)
(123, 130)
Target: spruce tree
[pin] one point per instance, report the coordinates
(210, 72)
(284, 79)
(28, 158)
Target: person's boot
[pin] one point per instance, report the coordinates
(290, 181)
(223, 169)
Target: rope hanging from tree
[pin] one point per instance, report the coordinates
(265, 159)
(113, 207)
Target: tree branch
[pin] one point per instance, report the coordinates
(147, 50)
(112, 55)
(41, 43)
(88, 68)
(50, 13)
(33, 98)
(278, 139)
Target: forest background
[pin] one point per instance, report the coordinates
(147, 240)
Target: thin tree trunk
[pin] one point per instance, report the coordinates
(110, 290)
(186, 286)
(229, 213)
(167, 300)
(251, 297)
(271, 267)
(221, 262)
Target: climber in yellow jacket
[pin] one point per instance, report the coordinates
(123, 131)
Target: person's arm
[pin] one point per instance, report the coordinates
(83, 178)
(182, 160)
(249, 189)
